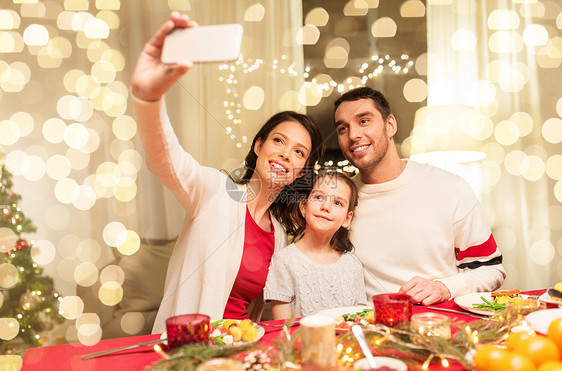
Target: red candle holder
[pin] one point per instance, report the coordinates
(187, 329)
(392, 309)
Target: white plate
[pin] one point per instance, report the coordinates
(545, 298)
(466, 302)
(540, 320)
(340, 311)
(393, 363)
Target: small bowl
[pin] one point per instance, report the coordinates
(363, 364)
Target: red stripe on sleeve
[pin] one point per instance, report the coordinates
(485, 249)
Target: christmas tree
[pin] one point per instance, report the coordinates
(28, 303)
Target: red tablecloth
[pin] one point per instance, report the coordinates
(67, 357)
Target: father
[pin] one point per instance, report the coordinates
(418, 229)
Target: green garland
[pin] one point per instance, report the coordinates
(188, 357)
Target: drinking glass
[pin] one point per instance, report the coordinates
(187, 329)
(515, 312)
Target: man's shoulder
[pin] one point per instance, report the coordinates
(434, 174)
(429, 169)
(449, 185)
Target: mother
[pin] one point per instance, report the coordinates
(220, 262)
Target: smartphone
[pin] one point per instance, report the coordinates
(215, 43)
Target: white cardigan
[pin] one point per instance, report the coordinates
(208, 253)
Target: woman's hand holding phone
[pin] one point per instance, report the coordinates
(151, 77)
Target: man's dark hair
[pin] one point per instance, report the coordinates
(366, 93)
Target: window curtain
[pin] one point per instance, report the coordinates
(503, 57)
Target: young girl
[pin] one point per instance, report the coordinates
(316, 272)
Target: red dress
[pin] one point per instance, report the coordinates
(258, 250)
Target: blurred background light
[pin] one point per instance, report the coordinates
(43, 252)
(384, 27)
(254, 13)
(412, 9)
(318, 17)
(36, 34)
(71, 307)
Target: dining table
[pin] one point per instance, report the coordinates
(68, 356)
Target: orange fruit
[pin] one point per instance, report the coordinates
(550, 366)
(515, 338)
(539, 349)
(490, 358)
(555, 332)
(516, 362)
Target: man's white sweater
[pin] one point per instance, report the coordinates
(428, 223)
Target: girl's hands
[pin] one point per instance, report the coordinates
(152, 78)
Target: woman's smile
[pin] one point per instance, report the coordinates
(278, 167)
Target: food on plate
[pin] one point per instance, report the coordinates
(231, 331)
(511, 293)
(501, 298)
(346, 321)
(249, 333)
(236, 333)
(557, 287)
(228, 322)
(246, 323)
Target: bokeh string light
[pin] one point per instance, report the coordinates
(311, 92)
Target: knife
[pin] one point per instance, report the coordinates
(115, 350)
(459, 312)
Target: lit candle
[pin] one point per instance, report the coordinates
(431, 324)
(318, 340)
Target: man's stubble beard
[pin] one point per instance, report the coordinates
(380, 150)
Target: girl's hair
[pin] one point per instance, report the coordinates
(340, 240)
(280, 208)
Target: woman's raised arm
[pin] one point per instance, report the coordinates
(152, 78)
(164, 155)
